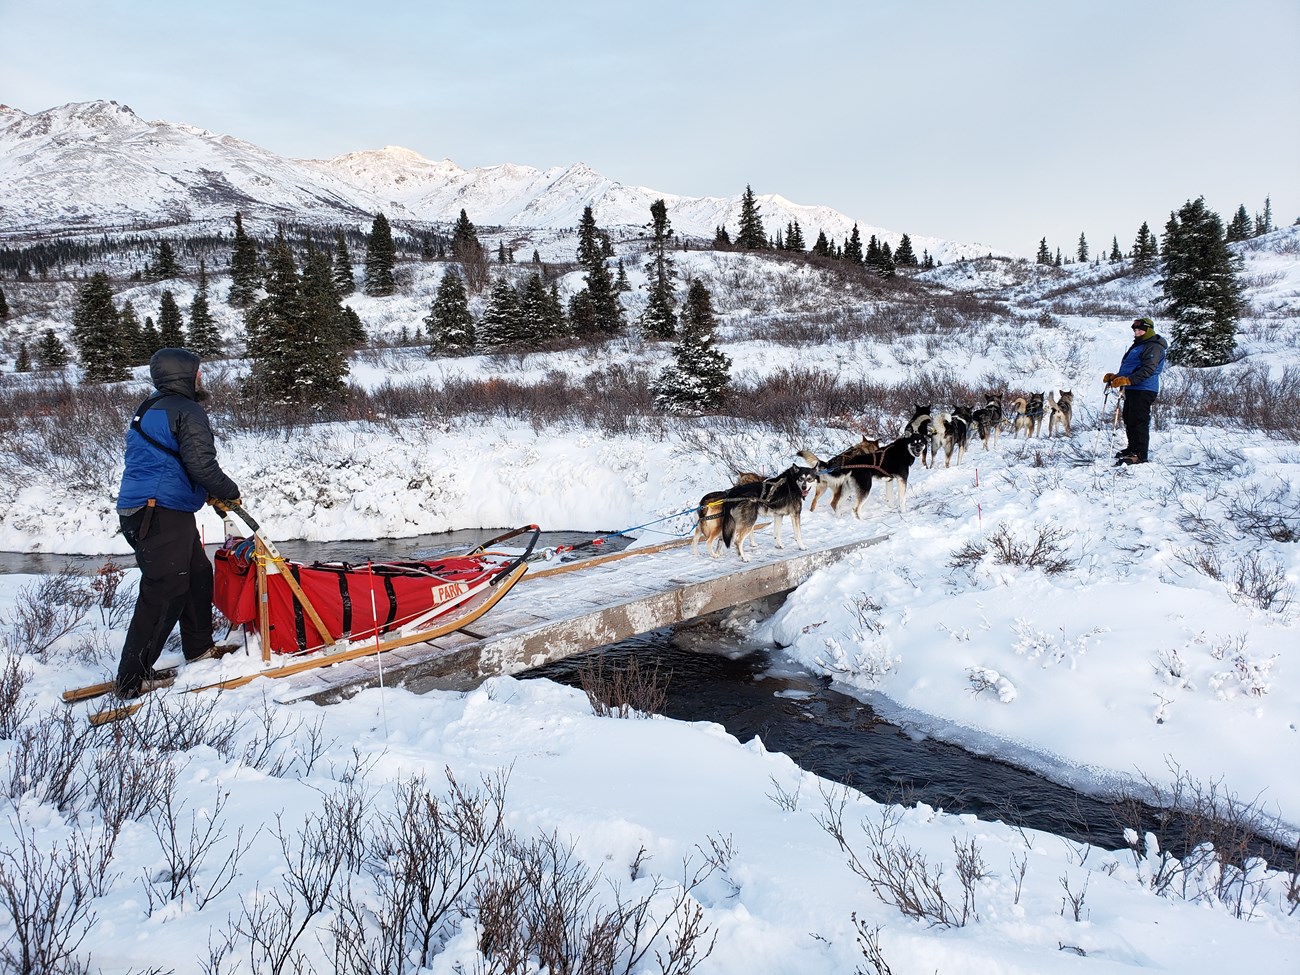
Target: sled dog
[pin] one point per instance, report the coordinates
(833, 474)
(708, 517)
(890, 464)
(921, 423)
(947, 433)
(781, 496)
(988, 419)
(1060, 408)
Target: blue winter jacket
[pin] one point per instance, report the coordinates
(180, 471)
(1144, 361)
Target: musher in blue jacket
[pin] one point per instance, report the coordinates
(1139, 378)
(171, 471)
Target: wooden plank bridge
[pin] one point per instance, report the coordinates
(572, 607)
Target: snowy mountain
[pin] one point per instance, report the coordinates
(91, 165)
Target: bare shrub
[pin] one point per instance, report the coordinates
(115, 604)
(869, 944)
(537, 900)
(180, 722)
(272, 922)
(425, 857)
(186, 854)
(901, 875)
(280, 742)
(47, 611)
(1250, 397)
(45, 896)
(125, 783)
(1261, 582)
(1041, 550)
(15, 706)
(45, 761)
(624, 692)
(1267, 515)
(1196, 841)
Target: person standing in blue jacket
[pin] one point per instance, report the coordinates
(1139, 379)
(171, 472)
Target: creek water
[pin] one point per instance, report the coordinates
(356, 551)
(749, 690)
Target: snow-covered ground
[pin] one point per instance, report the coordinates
(1148, 645)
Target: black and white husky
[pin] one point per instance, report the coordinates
(890, 464)
(780, 496)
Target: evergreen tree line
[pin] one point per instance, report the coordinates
(877, 256)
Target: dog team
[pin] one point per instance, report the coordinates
(727, 519)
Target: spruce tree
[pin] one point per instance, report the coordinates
(1241, 227)
(1145, 250)
(794, 238)
(853, 247)
(905, 256)
(535, 322)
(131, 336)
(886, 264)
(449, 323)
(602, 314)
(471, 254)
(1115, 253)
(721, 239)
(4, 306)
(344, 276)
(659, 320)
(1264, 221)
(50, 352)
(164, 266)
(381, 259)
(1201, 290)
(501, 325)
(822, 247)
(334, 330)
(296, 357)
(1044, 255)
(205, 337)
(96, 334)
(149, 341)
(23, 361)
(1081, 254)
(171, 328)
(699, 378)
(750, 236)
(245, 275)
(872, 256)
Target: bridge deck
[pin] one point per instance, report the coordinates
(573, 607)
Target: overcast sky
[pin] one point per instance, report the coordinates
(999, 122)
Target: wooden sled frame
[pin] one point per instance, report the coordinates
(268, 560)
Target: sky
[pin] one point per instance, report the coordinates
(995, 123)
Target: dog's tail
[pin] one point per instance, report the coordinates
(728, 524)
(809, 458)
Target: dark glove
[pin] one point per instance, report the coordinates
(1118, 382)
(1105, 380)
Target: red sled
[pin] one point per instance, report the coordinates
(338, 607)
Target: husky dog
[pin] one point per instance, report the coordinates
(922, 424)
(1019, 416)
(708, 522)
(782, 496)
(988, 419)
(1059, 411)
(948, 433)
(890, 464)
(833, 474)
(1027, 415)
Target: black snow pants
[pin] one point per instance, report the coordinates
(175, 585)
(1137, 420)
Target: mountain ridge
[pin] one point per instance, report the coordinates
(90, 164)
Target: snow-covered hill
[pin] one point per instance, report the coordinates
(88, 165)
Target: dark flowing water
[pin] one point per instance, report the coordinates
(756, 691)
(357, 551)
